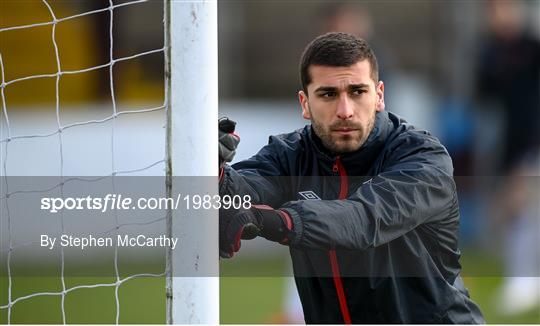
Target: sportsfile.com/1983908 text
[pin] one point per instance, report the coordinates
(119, 202)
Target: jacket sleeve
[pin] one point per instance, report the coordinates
(414, 187)
(260, 176)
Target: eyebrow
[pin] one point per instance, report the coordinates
(333, 89)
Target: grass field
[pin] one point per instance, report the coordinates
(243, 299)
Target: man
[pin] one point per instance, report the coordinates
(365, 201)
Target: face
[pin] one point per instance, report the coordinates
(341, 103)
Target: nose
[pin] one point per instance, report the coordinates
(344, 109)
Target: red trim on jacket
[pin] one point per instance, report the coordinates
(343, 192)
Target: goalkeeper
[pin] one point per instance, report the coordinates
(365, 201)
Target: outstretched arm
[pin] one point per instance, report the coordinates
(416, 187)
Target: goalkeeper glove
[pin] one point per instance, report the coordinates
(228, 140)
(259, 220)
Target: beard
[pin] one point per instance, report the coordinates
(342, 143)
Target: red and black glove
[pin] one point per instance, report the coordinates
(259, 220)
(228, 140)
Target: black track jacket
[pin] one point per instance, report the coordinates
(376, 230)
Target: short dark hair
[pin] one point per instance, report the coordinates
(337, 50)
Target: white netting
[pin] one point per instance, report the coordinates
(8, 138)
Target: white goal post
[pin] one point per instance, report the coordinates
(192, 136)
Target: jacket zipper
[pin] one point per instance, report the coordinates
(343, 191)
(344, 181)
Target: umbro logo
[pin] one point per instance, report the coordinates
(309, 195)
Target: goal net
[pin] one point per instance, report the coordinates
(86, 119)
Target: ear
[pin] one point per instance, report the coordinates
(303, 98)
(379, 89)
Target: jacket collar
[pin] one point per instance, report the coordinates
(359, 161)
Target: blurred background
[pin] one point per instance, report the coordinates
(468, 71)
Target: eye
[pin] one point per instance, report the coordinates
(358, 91)
(328, 94)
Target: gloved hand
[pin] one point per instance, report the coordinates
(228, 140)
(259, 220)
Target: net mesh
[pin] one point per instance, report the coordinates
(9, 137)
